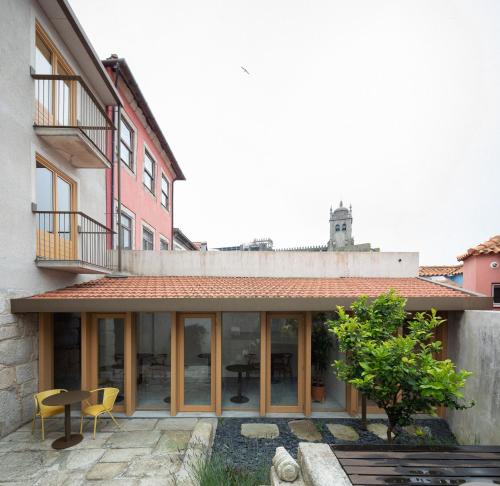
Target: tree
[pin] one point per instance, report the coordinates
(399, 373)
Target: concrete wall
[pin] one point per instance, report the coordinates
(473, 344)
(271, 264)
(19, 275)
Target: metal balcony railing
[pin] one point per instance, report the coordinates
(73, 237)
(63, 101)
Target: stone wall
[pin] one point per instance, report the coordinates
(473, 344)
(18, 365)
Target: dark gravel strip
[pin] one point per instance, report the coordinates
(253, 454)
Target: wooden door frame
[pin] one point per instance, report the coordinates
(181, 407)
(301, 365)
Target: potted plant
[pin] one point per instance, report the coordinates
(321, 345)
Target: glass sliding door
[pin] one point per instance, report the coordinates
(197, 362)
(240, 372)
(67, 351)
(285, 363)
(153, 333)
(111, 356)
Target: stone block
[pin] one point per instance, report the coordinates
(7, 377)
(276, 481)
(83, 458)
(125, 455)
(173, 441)
(25, 372)
(320, 467)
(154, 466)
(10, 417)
(285, 465)
(15, 351)
(7, 319)
(379, 429)
(9, 331)
(260, 431)
(138, 424)
(27, 408)
(305, 430)
(29, 388)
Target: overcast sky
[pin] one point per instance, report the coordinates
(393, 106)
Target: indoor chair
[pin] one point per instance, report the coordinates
(44, 411)
(108, 402)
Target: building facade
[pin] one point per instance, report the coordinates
(481, 269)
(148, 170)
(54, 133)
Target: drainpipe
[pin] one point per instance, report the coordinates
(119, 191)
(172, 214)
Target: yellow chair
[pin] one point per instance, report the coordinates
(108, 402)
(44, 411)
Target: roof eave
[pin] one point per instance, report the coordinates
(235, 304)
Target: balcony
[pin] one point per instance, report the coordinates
(70, 119)
(73, 242)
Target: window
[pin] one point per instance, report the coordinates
(147, 239)
(126, 222)
(126, 144)
(496, 295)
(164, 191)
(337, 227)
(54, 192)
(163, 244)
(148, 177)
(344, 227)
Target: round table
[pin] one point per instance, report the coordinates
(240, 369)
(66, 399)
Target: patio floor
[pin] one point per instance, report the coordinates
(146, 451)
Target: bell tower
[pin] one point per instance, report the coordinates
(340, 228)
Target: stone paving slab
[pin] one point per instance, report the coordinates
(83, 459)
(380, 430)
(260, 431)
(177, 423)
(159, 466)
(137, 438)
(343, 432)
(137, 424)
(125, 455)
(305, 430)
(173, 441)
(106, 470)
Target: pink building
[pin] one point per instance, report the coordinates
(481, 269)
(148, 170)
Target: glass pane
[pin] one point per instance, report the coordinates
(67, 346)
(148, 164)
(126, 134)
(43, 58)
(197, 358)
(153, 359)
(44, 197)
(64, 204)
(125, 155)
(241, 360)
(148, 181)
(111, 354)
(284, 361)
(63, 102)
(43, 87)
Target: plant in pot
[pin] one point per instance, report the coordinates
(321, 345)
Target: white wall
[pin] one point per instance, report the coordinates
(271, 264)
(19, 276)
(474, 345)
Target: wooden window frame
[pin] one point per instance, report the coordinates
(56, 57)
(214, 375)
(124, 228)
(146, 173)
(146, 229)
(130, 149)
(164, 194)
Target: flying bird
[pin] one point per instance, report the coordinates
(244, 70)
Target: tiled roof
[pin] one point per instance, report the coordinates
(437, 270)
(247, 287)
(492, 246)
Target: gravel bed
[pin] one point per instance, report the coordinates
(241, 452)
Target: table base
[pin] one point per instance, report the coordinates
(239, 399)
(62, 443)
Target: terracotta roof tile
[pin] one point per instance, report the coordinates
(247, 287)
(490, 247)
(437, 270)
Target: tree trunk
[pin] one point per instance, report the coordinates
(364, 422)
(389, 435)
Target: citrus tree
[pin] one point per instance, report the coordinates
(398, 372)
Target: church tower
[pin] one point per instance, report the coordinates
(340, 228)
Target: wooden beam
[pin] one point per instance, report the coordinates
(307, 367)
(130, 367)
(263, 364)
(218, 363)
(45, 352)
(173, 364)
